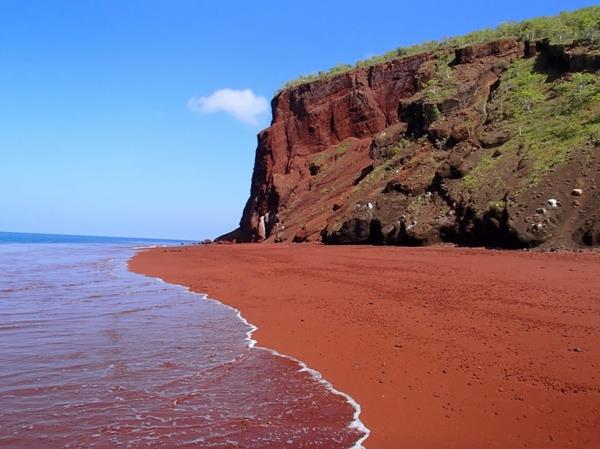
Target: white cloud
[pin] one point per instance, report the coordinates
(244, 105)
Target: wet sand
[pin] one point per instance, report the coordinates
(442, 347)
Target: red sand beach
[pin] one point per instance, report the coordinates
(442, 347)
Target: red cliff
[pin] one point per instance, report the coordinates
(421, 149)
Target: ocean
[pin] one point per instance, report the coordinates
(94, 356)
(21, 237)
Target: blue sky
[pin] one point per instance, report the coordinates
(139, 118)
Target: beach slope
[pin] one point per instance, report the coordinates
(442, 347)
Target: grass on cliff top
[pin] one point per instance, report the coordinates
(442, 84)
(548, 119)
(563, 28)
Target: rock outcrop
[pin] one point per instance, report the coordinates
(435, 147)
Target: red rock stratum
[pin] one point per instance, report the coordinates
(494, 144)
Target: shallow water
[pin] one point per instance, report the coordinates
(94, 356)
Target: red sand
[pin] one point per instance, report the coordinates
(442, 347)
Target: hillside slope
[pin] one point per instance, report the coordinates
(494, 144)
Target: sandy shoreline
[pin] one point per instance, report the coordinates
(441, 347)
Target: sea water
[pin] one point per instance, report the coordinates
(94, 356)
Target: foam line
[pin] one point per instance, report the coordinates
(356, 423)
(150, 246)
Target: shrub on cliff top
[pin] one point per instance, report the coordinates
(549, 119)
(563, 28)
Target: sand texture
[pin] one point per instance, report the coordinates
(442, 347)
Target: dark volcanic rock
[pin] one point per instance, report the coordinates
(568, 58)
(589, 233)
(500, 47)
(495, 138)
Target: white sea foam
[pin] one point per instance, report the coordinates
(137, 248)
(356, 422)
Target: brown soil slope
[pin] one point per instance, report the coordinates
(493, 144)
(442, 347)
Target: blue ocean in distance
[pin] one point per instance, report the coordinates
(22, 237)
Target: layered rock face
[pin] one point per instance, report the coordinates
(436, 147)
(311, 119)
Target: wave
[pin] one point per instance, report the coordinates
(355, 424)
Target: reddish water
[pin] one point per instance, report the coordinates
(93, 356)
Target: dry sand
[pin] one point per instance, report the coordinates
(442, 347)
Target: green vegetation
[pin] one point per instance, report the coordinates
(340, 150)
(399, 149)
(481, 174)
(342, 147)
(496, 207)
(381, 171)
(442, 84)
(563, 28)
(548, 119)
(373, 178)
(320, 157)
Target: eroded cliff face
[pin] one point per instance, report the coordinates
(450, 146)
(310, 120)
